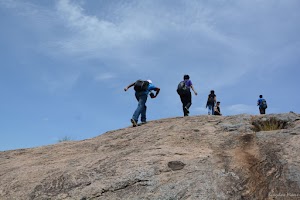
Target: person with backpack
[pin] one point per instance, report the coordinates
(142, 89)
(185, 94)
(262, 103)
(211, 101)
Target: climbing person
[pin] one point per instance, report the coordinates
(185, 94)
(142, 89)
(262, 103)
(217, 110)
(211, 101)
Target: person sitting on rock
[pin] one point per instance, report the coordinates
(217, 110)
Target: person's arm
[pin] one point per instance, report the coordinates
(207, 102)
(129, 86)
(157, 91)
(194, 90)
(215, 99)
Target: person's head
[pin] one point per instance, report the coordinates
(149, 81)
(212, 92)
(260, 96)
(186, 77)
(218, 103)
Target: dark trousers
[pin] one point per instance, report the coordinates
(186, 101)
(262, 110)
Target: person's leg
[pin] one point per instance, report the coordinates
(137, 111)
(184, 102)
(261, 111)
(213, 109)
(209, 109)
(186, 105)
(142, 98)
(188, 100)
(144, 108)
(185, 111)
(143, 115)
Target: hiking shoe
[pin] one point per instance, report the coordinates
(187, 110)
(142, 123)
(134, 123)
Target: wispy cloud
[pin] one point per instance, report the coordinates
(231, 109)
(138, 28)
(64, 82)
(239, 109)
(229, 38)
(105, 77)
(95, 36)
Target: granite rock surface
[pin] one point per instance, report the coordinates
(197, 157)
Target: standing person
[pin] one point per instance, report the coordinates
(217, 110)
(262, 103)
(185, 94)
(211, 101)
(142, 89)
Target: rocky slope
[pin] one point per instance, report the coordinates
(199, 157)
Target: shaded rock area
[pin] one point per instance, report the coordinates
(197, 157)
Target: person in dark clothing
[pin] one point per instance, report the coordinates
(186, 98)
(217, 110)
(211, 101)
(262, 103)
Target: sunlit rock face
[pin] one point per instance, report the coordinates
(198, 157)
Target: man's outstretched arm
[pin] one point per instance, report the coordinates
(129, 86)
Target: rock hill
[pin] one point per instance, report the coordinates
(198, 157)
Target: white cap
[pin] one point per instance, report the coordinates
(149, 81)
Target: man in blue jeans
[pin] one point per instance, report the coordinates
(141, 97)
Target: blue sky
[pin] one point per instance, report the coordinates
(64, 63)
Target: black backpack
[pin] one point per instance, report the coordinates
(263, 104)
(140, 86)
(182, 88)
(211, 99)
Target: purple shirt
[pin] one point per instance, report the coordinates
(188, 83)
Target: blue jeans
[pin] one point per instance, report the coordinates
(141, 108)
(211, 109)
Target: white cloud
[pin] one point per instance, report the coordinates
(203, 38)
(64, 82)
(157, 36)
(105, 77)
(201, 110)
(232, 109)
(8, 3)
(141, 25)
(45, 119)
(94, 36)
(239, 109)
